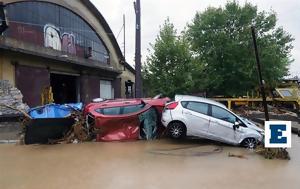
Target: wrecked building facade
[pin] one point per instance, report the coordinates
(64, 44)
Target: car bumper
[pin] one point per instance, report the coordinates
(166, 117)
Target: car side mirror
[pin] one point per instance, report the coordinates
(236, 125)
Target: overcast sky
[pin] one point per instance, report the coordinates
(180, 12)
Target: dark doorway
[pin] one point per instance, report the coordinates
(64, 88)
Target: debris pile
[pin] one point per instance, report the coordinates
(276, 111)
(53, 122)
(10, 97)
(273, 153)
(77, 133)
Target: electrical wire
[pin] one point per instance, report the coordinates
(120, 31)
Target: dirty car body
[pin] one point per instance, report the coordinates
(125, 119)
(201, 117)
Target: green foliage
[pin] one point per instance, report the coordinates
(169, 67)
(215, 54)
(221, 42)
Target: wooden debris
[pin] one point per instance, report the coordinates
(237, 156)
(78, 132)
(16, 109)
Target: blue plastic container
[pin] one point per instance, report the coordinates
(54, 110)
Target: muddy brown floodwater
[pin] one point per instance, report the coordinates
(148, 165)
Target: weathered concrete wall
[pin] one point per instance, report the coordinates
(10, 96)
(8, 61)
(37, 52)
(89, 85)
(7, 70)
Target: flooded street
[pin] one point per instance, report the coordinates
(156, 164)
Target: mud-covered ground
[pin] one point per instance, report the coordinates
(141, 164)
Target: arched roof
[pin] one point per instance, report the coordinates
(107, 29)
(95, 12)
(105, 25)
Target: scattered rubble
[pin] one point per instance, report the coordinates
(257, 115)
(10, 97)
(273, 153)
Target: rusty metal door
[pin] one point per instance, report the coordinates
(31, 81)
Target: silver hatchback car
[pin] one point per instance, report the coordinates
(204, 118)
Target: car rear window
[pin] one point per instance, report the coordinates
(184, 104)
(197, 107)
(120, 110)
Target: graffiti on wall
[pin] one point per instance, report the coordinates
(68, 43)
(53, 39)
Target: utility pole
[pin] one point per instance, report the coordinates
(262, 88)
(138, 75)
(124, 37)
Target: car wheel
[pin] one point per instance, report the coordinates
(250, 143)
(177, 130)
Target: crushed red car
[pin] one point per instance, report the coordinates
(125, 119)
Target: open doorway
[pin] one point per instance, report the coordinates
(64, 88)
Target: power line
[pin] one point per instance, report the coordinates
(120, 31)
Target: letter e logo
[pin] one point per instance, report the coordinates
(278, 134)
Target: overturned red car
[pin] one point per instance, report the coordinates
(125, 119)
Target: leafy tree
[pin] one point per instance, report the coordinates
(221, 42)
(168, 67)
